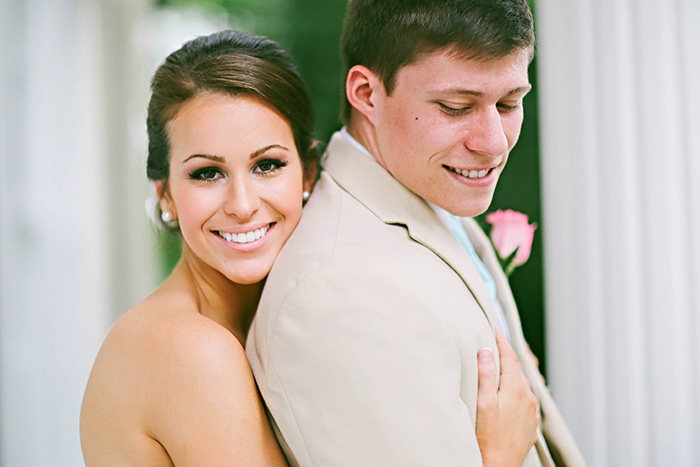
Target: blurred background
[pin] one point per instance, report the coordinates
(608, 165)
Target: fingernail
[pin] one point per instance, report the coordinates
(485, 354)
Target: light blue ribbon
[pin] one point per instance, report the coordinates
(461, 234)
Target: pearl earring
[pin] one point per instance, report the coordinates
(305, 195)
(166, 216)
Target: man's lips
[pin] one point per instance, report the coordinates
(473, 174)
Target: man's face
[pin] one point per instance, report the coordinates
(447, 128)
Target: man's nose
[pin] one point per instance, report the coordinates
(242, 199)
(486, 134)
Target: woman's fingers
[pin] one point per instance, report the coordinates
(509, 361)
(487, 405)
(515, 392)
(487, 393)
(506, 414)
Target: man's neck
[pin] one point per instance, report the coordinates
(364, 133)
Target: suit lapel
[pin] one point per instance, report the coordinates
(374, 187)
(483, 248)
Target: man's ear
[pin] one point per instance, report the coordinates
(363, 89)
(164, 199)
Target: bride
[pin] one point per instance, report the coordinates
(232, 157)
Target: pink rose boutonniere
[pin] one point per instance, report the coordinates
(511, 235)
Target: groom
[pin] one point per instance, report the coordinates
(364, 346)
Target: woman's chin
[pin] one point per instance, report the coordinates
(248, 277)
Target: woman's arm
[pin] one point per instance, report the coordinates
(507, 415)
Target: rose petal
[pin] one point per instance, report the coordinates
(512, 230)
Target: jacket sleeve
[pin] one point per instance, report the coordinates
(357, 370)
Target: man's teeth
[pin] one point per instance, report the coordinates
(246, 237)
(470, 173)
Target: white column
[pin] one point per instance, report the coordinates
(620, 87)
(61, 274)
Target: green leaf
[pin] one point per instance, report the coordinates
(510, 261)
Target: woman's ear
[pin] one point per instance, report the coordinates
(309, 180)
(310, 176)
(363, 88)
(164, 199)
(311, 166)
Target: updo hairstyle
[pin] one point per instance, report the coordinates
(231, 63)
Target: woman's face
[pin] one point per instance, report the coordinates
(235, 184)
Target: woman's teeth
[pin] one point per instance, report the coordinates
(246, 237)
(470, 173)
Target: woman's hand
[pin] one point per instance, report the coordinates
(507, 415)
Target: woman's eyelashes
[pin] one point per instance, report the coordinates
(267, 166)
(206, 174)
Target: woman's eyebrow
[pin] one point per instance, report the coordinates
(221, 160)
(218, 159)
(267, 148)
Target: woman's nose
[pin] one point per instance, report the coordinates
(241, 200)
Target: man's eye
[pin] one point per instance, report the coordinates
(453, 110)
(508, 107)
(208, 174)
(268, 166)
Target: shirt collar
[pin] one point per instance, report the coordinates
(356, 144)
(444, 215)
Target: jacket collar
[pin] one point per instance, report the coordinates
(483, 248)
(373, 186)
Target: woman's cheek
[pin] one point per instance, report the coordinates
(197, 204)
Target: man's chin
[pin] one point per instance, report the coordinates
(471, 209)
(469, 212)
(462, 203)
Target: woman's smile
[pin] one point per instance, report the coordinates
(246, 241)
(245, 236)
(236, 184)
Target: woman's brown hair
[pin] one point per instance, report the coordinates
(232, 63)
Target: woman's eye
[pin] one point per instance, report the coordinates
(268, 166)
(208, 174)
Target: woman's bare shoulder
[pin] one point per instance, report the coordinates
(204, 407)
(167, 373)
(154, 343)
(160, 338)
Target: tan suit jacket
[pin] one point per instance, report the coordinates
(364, 346)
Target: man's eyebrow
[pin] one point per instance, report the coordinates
(520, 90)
(469, 92)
